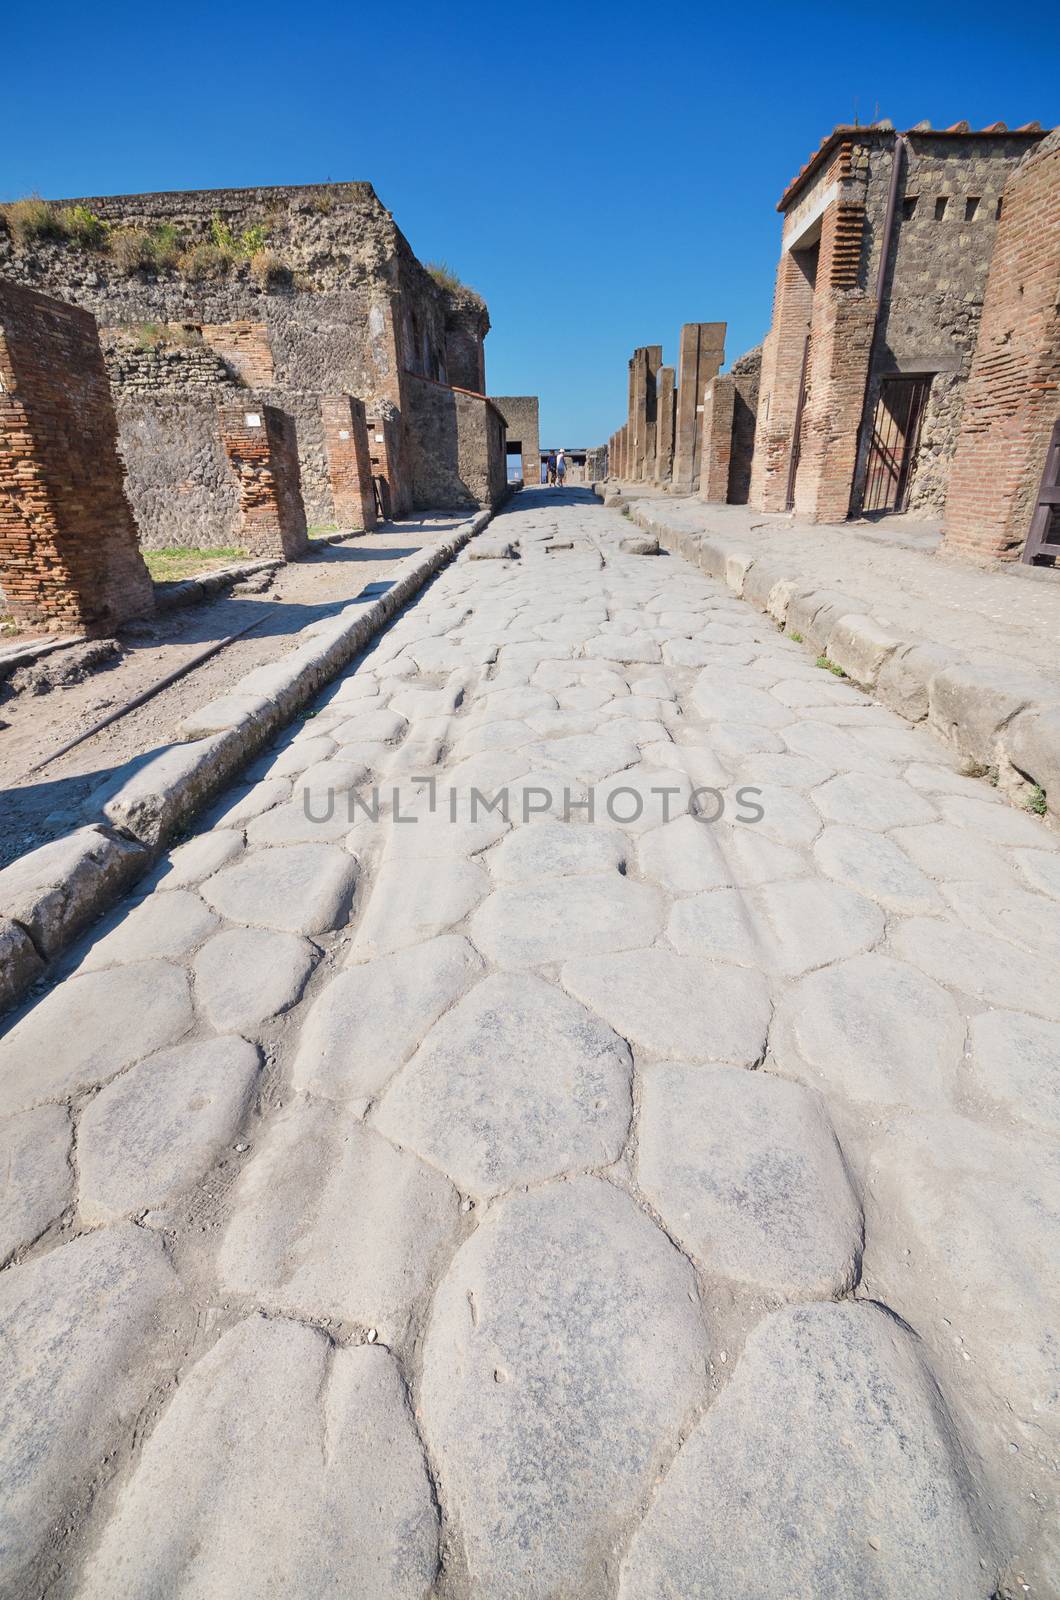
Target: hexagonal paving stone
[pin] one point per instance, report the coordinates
(243, 976)
(1014, 1067)
(36, 1178)
(516, 1083)
(69, 1041)
(747, 1175)
(812, 922)
(205, 1511)
(828, 1467)
(877, 867)
(857, 800)
(676, 1005)
(564, 1353)
(980, 965)
(719, 925)
(370, 1018)
(158, 1129)
(557, 850)
(330, 1221)
(526, 924)
(960, 1221)
(77, 1330)
(873, 1029)
(163, 926)
(416, 898)
(300, 888)
(683, 856)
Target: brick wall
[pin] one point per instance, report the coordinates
(262, 449)
(1013, 395)
(349, 462)
(783, 351)
(69, 556)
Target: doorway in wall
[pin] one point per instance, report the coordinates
(894, 443)
(515, 460)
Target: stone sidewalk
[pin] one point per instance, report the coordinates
(579, 1121)
(976, 654)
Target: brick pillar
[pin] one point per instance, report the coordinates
(778, 393)
(1013, 395)
(262, 451)
(349, 461)
(702, 352)
(665, 401)
(719, 400)
(69, 554)
(841, 331)
(383, 454)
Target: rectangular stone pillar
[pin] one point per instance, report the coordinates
(665, 401)
(783, 351)
(700, 358)
(349, 462)
(645, 372)
(69, 554)
(719, 400)
(262, 450)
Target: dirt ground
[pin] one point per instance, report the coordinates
(39, 805)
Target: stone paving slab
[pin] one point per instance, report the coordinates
(637, 1179)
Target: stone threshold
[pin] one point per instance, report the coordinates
(50, 895)
(1003, 722)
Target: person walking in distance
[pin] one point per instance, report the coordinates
(561, 468)
(551, 464)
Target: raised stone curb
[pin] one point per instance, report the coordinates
(994, 717)
(49, 895)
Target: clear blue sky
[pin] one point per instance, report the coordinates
(600, 173)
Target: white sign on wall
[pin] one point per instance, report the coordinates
(252, 419)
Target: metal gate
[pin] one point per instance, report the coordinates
(1043, 541)
(894, 442)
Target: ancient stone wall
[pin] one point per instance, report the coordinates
(521, 414)
(69, 557)
(700, 358)
(716, 449)
(332, 301)
(456, 447)
(1012, 401)
(745, 373)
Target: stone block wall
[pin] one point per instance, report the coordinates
(700, 358)
(350, 311)
(665, 408)
(349, 462)
(457, 448)
(262, 449)
(521, 414)
(745, 373)
(1012, 400)
(69, 556)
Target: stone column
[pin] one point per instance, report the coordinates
(349, 461)
(779, 388)
(644, 372)
(69, 554)
(719, 399)
(665, 401)
(702, 352)
(262, 450)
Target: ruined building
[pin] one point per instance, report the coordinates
(520, 412)
(886, 247)
(261, 301)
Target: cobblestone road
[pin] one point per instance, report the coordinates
(653, 1204)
